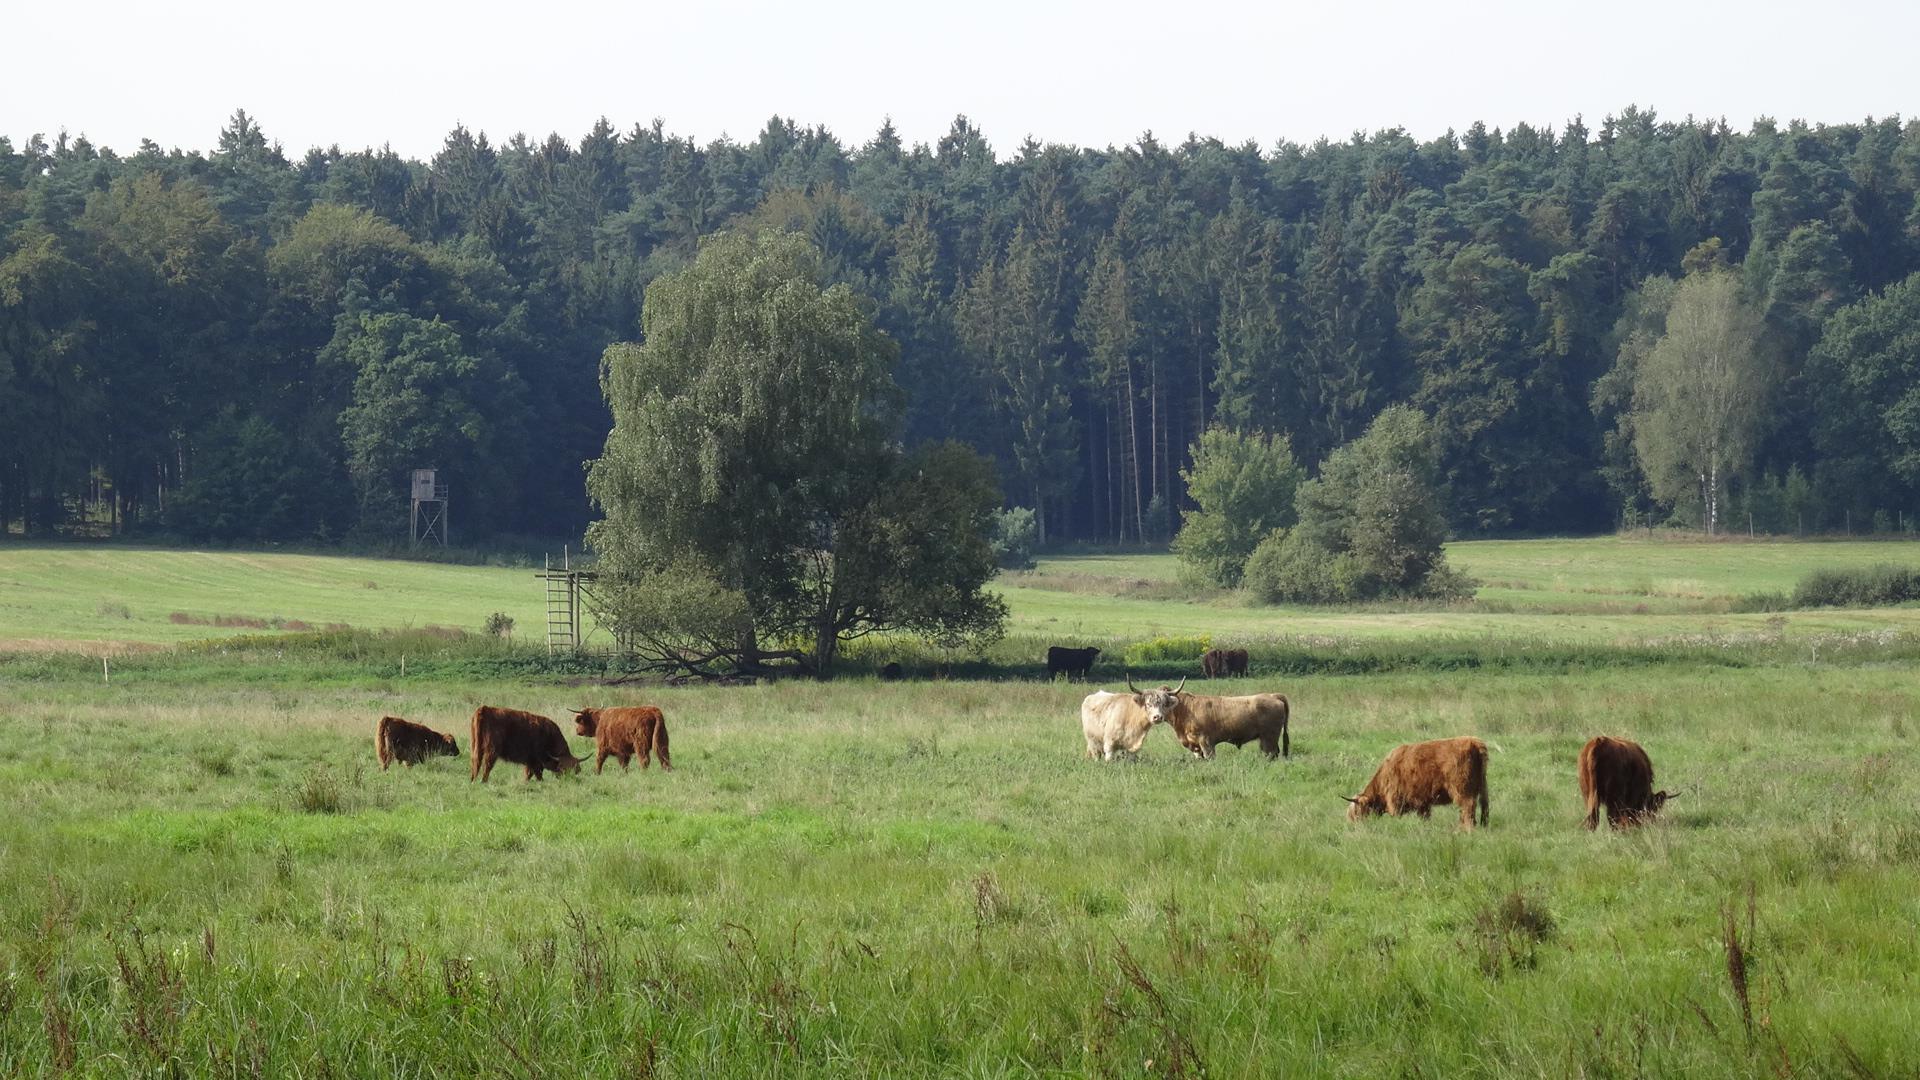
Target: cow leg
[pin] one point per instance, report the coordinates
(599, 762)
(1270, 746)
(626, 762)
(1466, 813)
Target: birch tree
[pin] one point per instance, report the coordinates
(1700, 394)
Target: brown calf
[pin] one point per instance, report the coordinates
(1421, 776)
(524, 738)
(404, 741)
(624, 732)
(1618, 773)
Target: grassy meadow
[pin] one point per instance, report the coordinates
(204, 873)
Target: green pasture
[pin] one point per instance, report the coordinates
(101, 593)
(929, 879)
(1604, 589)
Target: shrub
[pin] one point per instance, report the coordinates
(1014, 533)
(1864, 586)
(500, 624)
(1244, 486)
(1285, 568)
(1167, 648)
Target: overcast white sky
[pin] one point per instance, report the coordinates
(361, 73)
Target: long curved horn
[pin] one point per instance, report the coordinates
(1350, 798)
(1130, 687)
(1182, 686)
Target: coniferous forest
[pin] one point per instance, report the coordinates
(252, 344)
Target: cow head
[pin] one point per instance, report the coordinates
(564, 763)
(585, 721)
(448, 746)
(1161, 704)
(1362, 805)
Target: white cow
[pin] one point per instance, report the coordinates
(1113, 724)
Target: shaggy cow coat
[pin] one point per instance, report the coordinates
(1215, 663)
(1204, 721)
(1421, 776)
(1113, 724)
(524, 738)
(624, 732)
(1618, 774)
(404, 741)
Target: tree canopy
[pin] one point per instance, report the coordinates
(1080, 315)
(754, 454)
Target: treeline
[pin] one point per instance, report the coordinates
(244, 344)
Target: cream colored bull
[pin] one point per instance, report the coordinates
(1113, 724)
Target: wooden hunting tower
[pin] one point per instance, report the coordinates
(429, 519)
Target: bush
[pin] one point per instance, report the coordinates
(1014, 533)
(1865, 586)
(500, 624)
(1243, 486)
(1167, 648)
(1285, 569)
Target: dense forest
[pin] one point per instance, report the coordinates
(244, 344)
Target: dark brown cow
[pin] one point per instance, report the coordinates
(1420, 776)
(404, 741)
(1215, 663)
(523, 738)
(1618, 773)
(623, 732)
(1204, 721)
(1072, 661)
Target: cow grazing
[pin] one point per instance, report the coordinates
(1420, 776)
(1215, 663)
(1072, 661)
(1203, 721)
(623, 733)
(404, 741)
(1113, 724)
(524, 738)
(1618, 773)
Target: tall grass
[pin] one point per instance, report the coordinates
(927, 878)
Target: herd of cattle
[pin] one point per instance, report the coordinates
(1614, 773)
(1417, 777)
(530, 740)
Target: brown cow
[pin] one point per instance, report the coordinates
(1204, 721)
(1420, 776)
(1215, 663)
(623, 732)
(404, 741)
(1618, 772)
(523, 738)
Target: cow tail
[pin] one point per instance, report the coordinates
(381, 748)
(1286, 722)
(1486, 796)
(660, 742)
(473, 745)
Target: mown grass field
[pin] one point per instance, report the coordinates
(203, 871)
(1602, 589)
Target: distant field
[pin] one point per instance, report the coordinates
(70, 592)
(1604, 589)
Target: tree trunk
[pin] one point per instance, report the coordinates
(1133, 456)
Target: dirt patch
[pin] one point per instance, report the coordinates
(46, 646)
